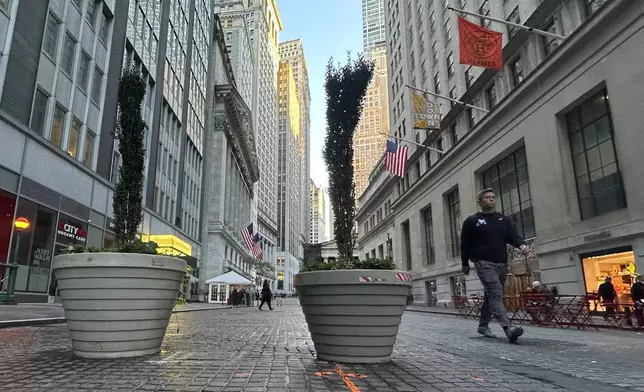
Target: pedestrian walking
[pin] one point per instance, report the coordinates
(266, 296)
(483, 242)
(233, 297)
(637, 294)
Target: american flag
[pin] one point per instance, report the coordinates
(395, 158)
(247, 234)
(258, 251)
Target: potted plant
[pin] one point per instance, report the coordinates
(353, 308)
(118, 302)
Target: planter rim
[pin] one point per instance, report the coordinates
(118, 260)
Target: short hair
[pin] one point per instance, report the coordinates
(479, 197)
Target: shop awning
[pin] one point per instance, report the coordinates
(231, 277)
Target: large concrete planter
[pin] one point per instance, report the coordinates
(353, 315)
(117, 305)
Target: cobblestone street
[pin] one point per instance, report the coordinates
(244, 349)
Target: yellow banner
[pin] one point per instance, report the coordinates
(427, 114)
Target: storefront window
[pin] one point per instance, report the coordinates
(620, 266)
(109, 240)
(95, 237)
(32, 247)
(7, 206)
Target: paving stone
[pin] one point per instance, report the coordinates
(247, 350)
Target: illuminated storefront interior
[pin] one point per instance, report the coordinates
(619, 266)
(168, 244)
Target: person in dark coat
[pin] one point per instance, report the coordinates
(607, 293)
(637, 294)
(233, 297)
(266, 296)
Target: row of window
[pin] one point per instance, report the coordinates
(597, 176)
(58, 127)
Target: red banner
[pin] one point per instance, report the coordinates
(479, 46)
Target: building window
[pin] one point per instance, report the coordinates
(437, 83)
(57, 126)
(88, 149)
(514, 18)
(484, 10)
(432, 22)
(51, 36)
(97, 85)
(550, 43)
(452, 95)
(453, 134)
(406, 237)
(434, 52)
(67, 60)
(74, 136)
(599, 184)
(448, 31)
(509, 179)
(454, 217)
(39, 112)
(450, 64)
(516, 69)
(490, 93)
(428, 231)
(90, 15)
(4, 5)
(468, 77)
(83, 72)
(471, 120)
(592, 6)
(104, 35)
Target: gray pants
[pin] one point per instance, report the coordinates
(492, 276)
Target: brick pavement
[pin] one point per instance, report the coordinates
(244, 349)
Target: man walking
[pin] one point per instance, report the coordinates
(483, 241)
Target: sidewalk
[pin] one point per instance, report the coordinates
(22, 315)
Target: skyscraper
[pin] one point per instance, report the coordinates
(373, 128)
(289, 187)
(318, 214)
(373, 23)
(293, 53)
(264, 24)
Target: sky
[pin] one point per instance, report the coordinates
(328, 28)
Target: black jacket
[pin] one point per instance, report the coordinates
(607, 291)
(484, 237)
(637, 292)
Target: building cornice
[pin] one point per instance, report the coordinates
(277, 14)
(240, 132)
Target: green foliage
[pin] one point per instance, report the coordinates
(149, 248)
(128, 194)
(346, 86)
(344, 264)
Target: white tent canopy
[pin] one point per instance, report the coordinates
(231, 278)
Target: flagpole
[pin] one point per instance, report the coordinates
(520, 26)
(467, 105)
(417, 144)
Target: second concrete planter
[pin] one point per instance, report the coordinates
(353, 315)
(117, 304)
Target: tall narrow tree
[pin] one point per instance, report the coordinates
(128, 195)
(346, 86)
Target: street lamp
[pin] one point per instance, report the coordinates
(20, 225)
